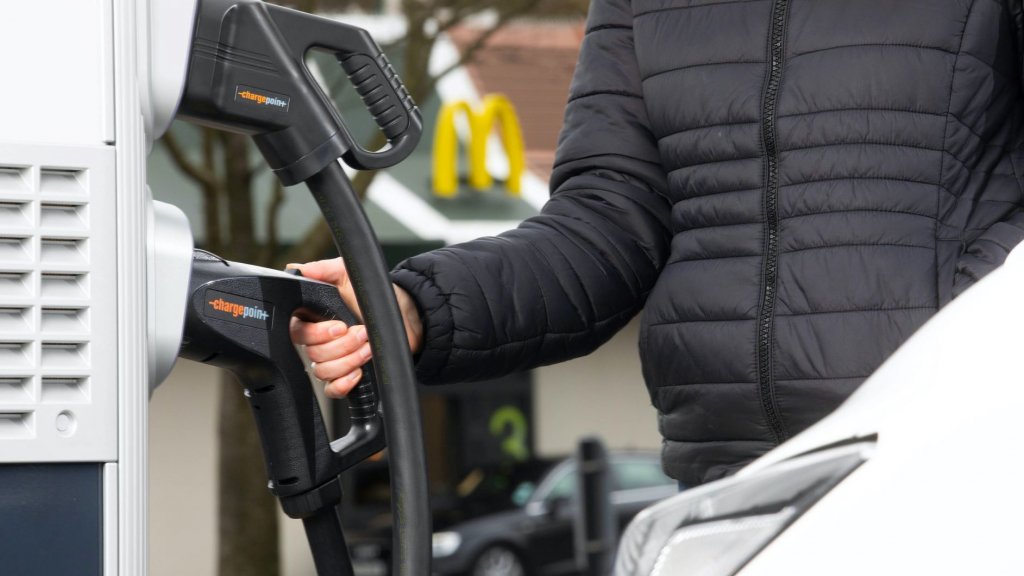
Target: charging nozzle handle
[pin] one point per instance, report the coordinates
(366, 434)
(291, 426)
(387, 100)
(366, 65)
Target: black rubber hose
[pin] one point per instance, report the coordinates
(392, 362)
(327, 542)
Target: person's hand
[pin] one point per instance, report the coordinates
(339, 351)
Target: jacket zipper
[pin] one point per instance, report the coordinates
(769, 275)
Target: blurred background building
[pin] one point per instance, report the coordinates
(527, 56)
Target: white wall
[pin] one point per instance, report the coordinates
(602, 394)
(182, 479)
(58, 70)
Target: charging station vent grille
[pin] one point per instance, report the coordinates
(58, 304)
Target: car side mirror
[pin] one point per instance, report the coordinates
(548, 508)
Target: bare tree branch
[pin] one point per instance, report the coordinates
(315, 243)
(202, 176)
(480, 42)
(212, 194)
(240, 214)
(270, 248)
(209, 153)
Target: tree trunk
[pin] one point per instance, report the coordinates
(248, 512)
(248, 527)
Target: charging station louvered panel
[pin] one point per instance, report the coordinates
(58, 304)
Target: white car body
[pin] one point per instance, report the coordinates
(942, 490)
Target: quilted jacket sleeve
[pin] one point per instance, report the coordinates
(565, 281)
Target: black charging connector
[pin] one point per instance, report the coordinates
(248, 74)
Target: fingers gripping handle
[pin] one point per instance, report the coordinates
(366, 435)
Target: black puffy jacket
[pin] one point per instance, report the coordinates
(789, 188)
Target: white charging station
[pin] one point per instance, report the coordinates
(93, 276)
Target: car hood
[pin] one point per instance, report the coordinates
(938, 493)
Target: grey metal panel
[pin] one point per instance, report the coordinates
(51, 519)
(59, 303)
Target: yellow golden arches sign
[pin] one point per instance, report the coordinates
(495, 109)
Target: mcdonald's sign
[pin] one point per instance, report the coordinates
(495, 110)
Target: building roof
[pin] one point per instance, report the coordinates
(532, 63)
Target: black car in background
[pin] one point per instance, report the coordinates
(518, 522)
